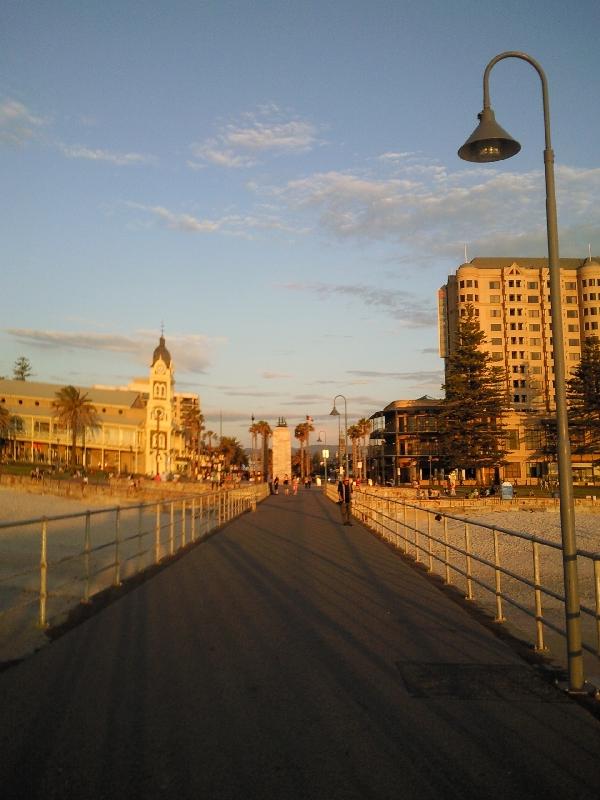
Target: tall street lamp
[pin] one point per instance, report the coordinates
(325, 457)
(489, 142)
(335, 413)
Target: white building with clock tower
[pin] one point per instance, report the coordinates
(160, 412)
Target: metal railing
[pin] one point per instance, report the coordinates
(50, 564)
(504, 570)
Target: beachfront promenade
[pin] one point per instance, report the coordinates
(289, 657)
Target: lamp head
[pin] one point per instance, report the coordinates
(334, 412)
(488, 142)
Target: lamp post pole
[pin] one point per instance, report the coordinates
(334, 412)
(489, 142)
(325, 451)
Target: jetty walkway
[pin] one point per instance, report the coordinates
(288, 657)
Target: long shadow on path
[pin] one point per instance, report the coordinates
(289, 657)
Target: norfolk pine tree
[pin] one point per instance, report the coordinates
(583, 394)
(471, 421)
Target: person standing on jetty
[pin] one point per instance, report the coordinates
(345, 500)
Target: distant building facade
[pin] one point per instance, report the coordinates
(511, 300)
(141, 427)
(403, 445)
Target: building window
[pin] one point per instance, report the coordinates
(571, 299)
(496, 342)
(535, 356)
(495, 327)
(494, 298)
(535, 342)
(512, 471)
(571, 313)
(495, 312)
(534, 326)
(494, 284)
(533, 312)
(573, 342)
(572, 328)
(532, 284)
(497, 357)
(574, 356)
(570, 285)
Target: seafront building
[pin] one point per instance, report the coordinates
(141, 426)
(511, 300)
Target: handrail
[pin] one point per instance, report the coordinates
(104, 547)
(408, 526)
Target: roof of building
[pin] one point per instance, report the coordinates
(161, 352)
(524, 261)
(47, 391)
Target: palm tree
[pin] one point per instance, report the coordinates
(364, 426)
(354, 434)
(302, 432)
(233, 452)
(75, 411)
(264, 429)
(4, 426)
(209, 435)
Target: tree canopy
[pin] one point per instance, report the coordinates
(76, 412)
(472, 431)
(583, 395)
(22, 369)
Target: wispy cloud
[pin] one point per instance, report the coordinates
(243, 143)
(418, 376)
(17, 124)
(432, 211)
(409, 310)
(118, 159)
(248, 226)
(191, 352)
(271, 376)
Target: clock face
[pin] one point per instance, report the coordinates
(160, 368)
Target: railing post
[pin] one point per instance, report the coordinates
(117, 577)
(193, 534)
(140, 535)
(43, 574)
(539, 614)
(446, 551)
(429, 542)
(157, 535)
(597, 596)
(87, 546)
(172, 528)
(417, 541)
(183, 531)
(498, 579)
(469, 595)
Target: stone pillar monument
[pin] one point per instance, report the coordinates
(282, 451)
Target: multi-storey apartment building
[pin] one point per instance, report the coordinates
(511, 299)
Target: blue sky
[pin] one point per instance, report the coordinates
(277, 183)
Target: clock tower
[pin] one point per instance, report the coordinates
(159, 412)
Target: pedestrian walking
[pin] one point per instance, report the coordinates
(276, 485)
(295, 484)
(345, 500)
(286, 484)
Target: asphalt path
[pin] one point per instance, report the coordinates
(289, 657)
